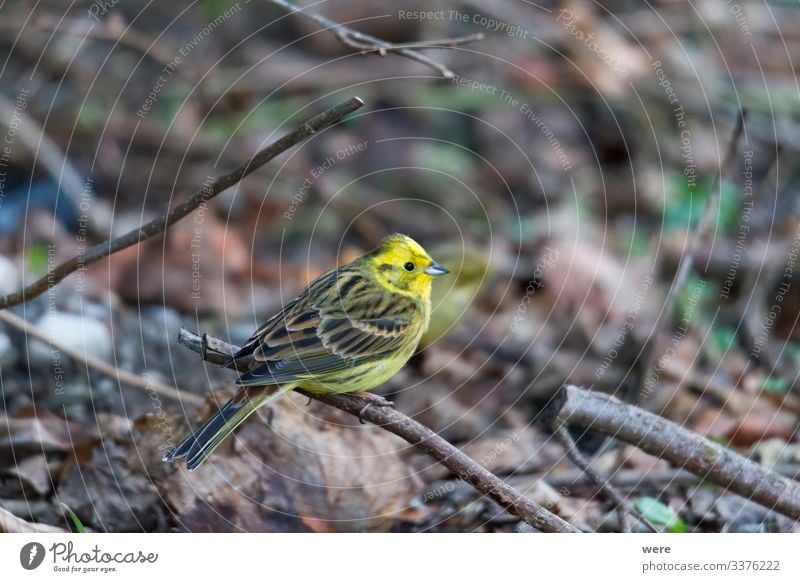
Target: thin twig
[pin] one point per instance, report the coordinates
(160, 224)
(649, 351)
(685, 449)
(602, 482)
(217, 351)
(134, 380)
(368, 48)
(367, 43)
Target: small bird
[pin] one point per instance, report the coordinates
(350, 330)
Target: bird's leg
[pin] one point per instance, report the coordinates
(270, 416)
(204, 347)
(373, 400)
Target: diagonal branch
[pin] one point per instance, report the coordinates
(366, 43)
(217, 351)
(160, 224)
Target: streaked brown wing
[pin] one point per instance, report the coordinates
(315, 334)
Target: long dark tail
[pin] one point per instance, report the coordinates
(201, 443)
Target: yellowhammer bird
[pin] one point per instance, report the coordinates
(350, 330)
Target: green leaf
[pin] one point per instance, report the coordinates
(455, 97)
(793, 349)
(212, 9)
(722, 341)
(76, 523)
(36, 258)
(442, 157)
(773, 384)
(637, 244)
(660, 514)
(685, 202)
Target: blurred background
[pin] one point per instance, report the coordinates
(559, 174)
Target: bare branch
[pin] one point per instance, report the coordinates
(366, 43)
(217, 351)
(160, 224)
(685, 449)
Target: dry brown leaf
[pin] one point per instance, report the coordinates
(314, 469)
(746, 430)
(33, 473)
(37, 432)
(108, 494)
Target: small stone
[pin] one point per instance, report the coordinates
(9, 276)
(87, 336)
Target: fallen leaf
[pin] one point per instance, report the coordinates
(107, 494)
(313, 469)
(34, 473)
(36, 432)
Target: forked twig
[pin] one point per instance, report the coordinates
(366, 43)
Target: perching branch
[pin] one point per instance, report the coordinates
(685, 449)
(217, 351)
(366, 43)
(160, 224)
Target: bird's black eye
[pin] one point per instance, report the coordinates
(409, 266)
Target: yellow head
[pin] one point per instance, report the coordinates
(402, 266)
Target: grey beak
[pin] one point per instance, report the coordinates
(436, 269)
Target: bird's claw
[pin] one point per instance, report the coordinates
(374, 400)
